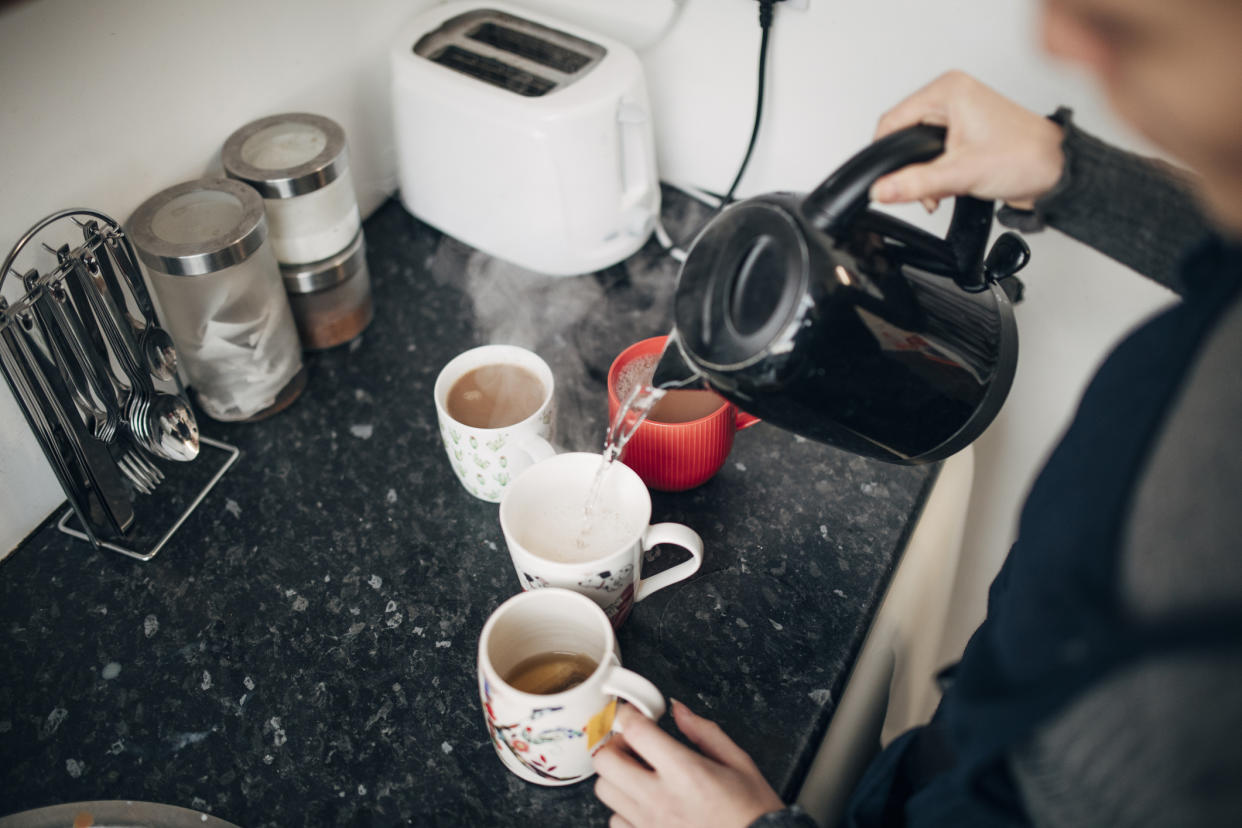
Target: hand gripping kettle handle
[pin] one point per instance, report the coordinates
(834, 205)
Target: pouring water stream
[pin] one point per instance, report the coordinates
(633, 410)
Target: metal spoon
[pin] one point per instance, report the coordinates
(162, 423)
(166, 426)
(114, 262)
(160, 352)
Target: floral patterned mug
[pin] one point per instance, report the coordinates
(549, 739)
(487, 459)
(554, 543)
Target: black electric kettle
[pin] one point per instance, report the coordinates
(847, 325)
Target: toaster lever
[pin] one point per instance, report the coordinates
(636, 160)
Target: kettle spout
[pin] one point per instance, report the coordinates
(674, 370)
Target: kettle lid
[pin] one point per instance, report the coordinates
(742, 283)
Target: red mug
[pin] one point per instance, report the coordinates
(675, 456)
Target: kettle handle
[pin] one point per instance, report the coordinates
(834, 205)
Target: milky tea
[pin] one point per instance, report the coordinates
(495, 396)
(676, 406)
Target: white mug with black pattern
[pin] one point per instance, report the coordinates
(542, 515)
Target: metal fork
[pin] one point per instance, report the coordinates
(144, 474)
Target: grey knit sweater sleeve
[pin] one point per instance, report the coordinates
(1138, 211)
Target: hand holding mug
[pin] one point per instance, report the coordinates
(717, 787)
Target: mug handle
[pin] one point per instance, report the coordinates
(679, 535)
(535, 448)
(745, 420)
(636, 690)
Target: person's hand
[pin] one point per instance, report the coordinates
(994, 148)
(648, 778)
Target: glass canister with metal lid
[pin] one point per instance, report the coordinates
(205, 245)
(298, 162)
(331, 299)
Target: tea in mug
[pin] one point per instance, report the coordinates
(680, 405)
(548, 673)
(495, 396)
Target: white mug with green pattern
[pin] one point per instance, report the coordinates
(486, 459)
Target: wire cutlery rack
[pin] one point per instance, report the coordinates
(96, 378)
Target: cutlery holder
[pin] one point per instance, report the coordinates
(95, 377)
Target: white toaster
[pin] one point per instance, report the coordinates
(526, 138)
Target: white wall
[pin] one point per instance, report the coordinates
(104, 104)
(833, 70)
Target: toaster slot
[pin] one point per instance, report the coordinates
(526, 45)
(510, 52)
(495, 72)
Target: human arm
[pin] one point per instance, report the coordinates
(648, 778)
(1139, 211)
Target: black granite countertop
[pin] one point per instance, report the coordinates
(303, 652)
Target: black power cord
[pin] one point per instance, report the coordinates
(766, 8)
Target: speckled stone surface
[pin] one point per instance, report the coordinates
(303, 653)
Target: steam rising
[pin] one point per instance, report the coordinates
(578, 324)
